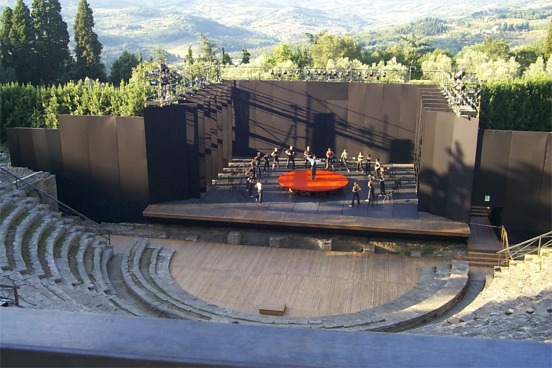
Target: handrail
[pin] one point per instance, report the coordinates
(518, 251)
(12, 290)
(63, 208)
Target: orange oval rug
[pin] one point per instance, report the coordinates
(325, 181)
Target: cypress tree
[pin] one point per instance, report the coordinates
(88, 48)
(52, 40)
(21, 38)
(6, 49)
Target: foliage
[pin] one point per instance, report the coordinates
(208, 49)
(88, 48)
(52, 40)
(517, 105)
(121, 69)
(226, 59)
(425, 27)
(548, 42)
(246, 56)
(329, 47)
(21, 42)
(24, 105)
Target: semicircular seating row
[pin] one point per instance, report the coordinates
(58, 264)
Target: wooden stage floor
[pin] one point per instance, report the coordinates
(222, 206)
(310, 282)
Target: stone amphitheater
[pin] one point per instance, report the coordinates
(59, 263)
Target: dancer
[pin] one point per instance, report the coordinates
(356, 189)
(275, 154)
(314, 163)
(259, 187)
(344, 157)
(330, 158)
(360, 158)
(290, 157)
(307, 155)
(370, 197)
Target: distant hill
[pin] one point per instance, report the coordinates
(173, 25)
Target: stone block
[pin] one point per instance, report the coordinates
(325, 244)
(234, 237)
(276, 241)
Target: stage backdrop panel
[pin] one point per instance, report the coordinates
(167, 156)
(492, 168)
(76, 184)
(133, 167)
(525, 191)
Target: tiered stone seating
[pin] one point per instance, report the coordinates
(35, 241)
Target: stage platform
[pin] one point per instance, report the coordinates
(228, 205)
(325, 181)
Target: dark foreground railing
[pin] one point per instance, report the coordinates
(46, 339)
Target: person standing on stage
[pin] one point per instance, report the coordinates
(290, 157)
(266, 160)
(377, 167)
(344, 157)
(382, 184)
(330, 158)
(360, 158)
(258, 159)
(275, 154)
(368, 166)
(259, 187)
(314, 163)
(307, 155)
(370, 197)
(356, 190)
(249, 183)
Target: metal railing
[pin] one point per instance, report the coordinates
(19, 183)
(8, 294)
(532, 246)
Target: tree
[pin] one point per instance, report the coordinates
(548, 42)
(121, 69)
(88, 48)
(7, 73)
(208, 49)
(226, 59)
(189, 56)
(52, 40)
(246, 56)
(494, 49)
(332, 47)
(21, 39)
(281, 53)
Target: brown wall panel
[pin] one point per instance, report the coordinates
(133, 164)
(441, 163)
(463, 149)
(427, 174)
(103, 148)
(28, 154)
(492, 171)
(167, 153)
(525, 177)
(76, 180)
(40, 145)
(55, 160)
(373, 127)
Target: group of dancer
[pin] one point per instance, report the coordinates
(262, 163)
